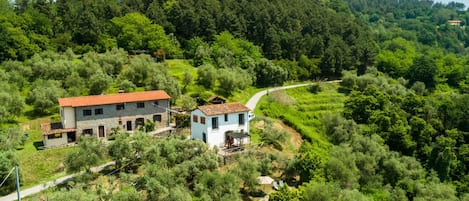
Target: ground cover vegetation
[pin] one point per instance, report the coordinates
(395, 129)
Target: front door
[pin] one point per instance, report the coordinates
(129, 125)
(204, 137)
(101, 131)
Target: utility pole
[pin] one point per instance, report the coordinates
(17, 183)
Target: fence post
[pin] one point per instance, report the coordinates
(17, 183)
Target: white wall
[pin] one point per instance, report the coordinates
(216, 137)
(197, 128)
(68, 117)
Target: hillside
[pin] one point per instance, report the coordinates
(395, 128)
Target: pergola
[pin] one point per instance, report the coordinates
(238, 136)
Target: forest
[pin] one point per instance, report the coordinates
(395, 128)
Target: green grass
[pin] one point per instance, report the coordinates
(305, 115)
(41, 166)
(177, 67)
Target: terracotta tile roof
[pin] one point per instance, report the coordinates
(81, 101)
(53, 128)
(226, 108)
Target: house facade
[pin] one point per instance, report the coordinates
(100, 115)
(221, 125)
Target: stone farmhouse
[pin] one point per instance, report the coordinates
(101, 114)
(222, 125)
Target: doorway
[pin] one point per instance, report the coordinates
(101, 131)
(129, 125)
(204, 137)
(71, 137)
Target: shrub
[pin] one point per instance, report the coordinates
(282, 98)
(149, 125)
(315, 88)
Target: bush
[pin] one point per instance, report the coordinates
(149, 125)
(282, 98)
(127, 86)
(271, 136)
(315, 88)
(265, 167)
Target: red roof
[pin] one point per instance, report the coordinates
(226, 108)
(81, 101)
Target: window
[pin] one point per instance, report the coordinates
(140, 105)
(194, 119)
(226, 117)
(86, 112)
(157, 118)
(120, 122)
(156, 103)
(202, 120)
(87, 131)
(54, 136)
(241, 119)
(214, 122)
(98, 111)
(139, 122)
(120, 106)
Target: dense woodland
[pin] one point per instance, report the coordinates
(403, 133)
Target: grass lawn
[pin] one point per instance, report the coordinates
(305, 114)
(41, 166)
(177, 67)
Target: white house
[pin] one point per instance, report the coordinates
(221, 125)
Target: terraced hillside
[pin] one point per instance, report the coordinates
(304, 110)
